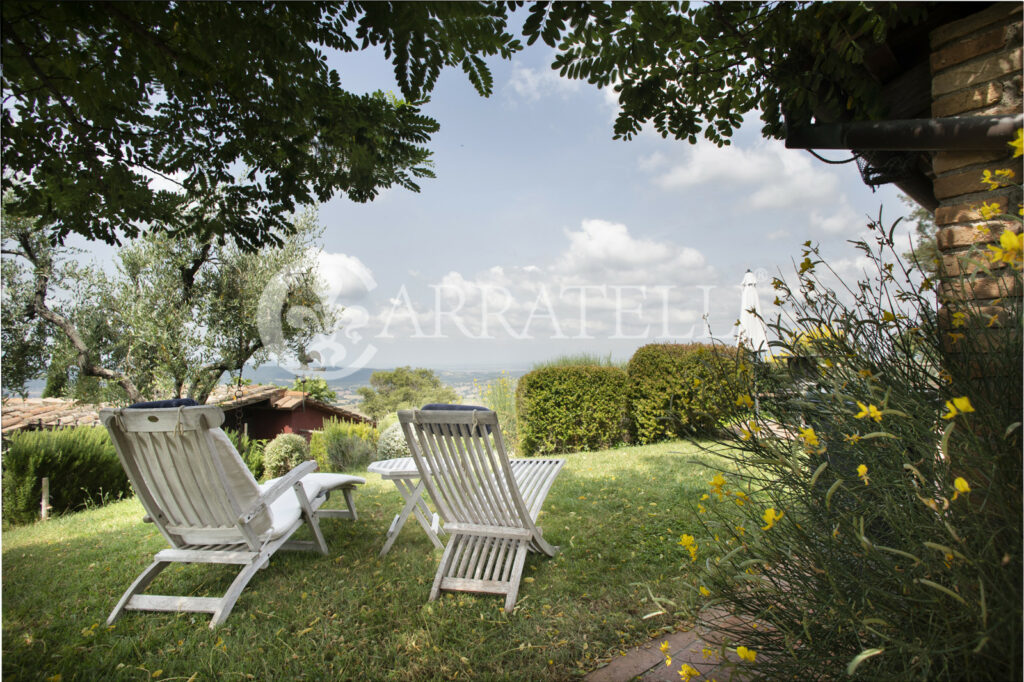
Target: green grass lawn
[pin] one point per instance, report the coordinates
(616, 514)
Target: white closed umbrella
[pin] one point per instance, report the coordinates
(752, 332)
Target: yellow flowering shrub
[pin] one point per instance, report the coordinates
(879, 534)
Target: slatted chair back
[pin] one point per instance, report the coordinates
(187, 474)
(471, 481)
(480, 497)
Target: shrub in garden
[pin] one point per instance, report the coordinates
(880, 538)
(80, 462)
(499, 395)
(391, 443)
(343, 445)
(570, 408)
(694, 384)
(284, 453)
(251, 450)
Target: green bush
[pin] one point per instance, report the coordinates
(80, 462)
(499, 395)
(871, 527)
(284, 453)
(343, 445)
(679, 390)
(251, 450)
(570, 408)
(392, 443)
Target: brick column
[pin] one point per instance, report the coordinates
(976, 70)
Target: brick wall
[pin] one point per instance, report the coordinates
(976, 70)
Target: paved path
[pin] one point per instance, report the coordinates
(647, 662)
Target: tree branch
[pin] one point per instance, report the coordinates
(82, 352)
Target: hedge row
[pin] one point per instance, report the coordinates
(570, 408)
(80, 462)
(666, 390)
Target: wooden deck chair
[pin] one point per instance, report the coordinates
(488, 511)
(198, 492)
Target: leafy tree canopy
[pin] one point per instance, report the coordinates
(403, 388)
(693, 69)
(235, 99)
(175, 315)
(316, 387)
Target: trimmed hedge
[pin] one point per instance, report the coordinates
(284, 453)
(343, 445)
(80, 462)
(683, 389)
(570, 408)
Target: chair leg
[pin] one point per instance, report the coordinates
(140, 584)
(442, 569)
(516, 577)
(350, 503)
(311, 518)
(227, 602)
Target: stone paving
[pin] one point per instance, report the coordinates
(646, 662)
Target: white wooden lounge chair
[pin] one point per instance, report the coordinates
(198, 492)
(489, 511)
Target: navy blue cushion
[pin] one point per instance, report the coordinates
(154, 404)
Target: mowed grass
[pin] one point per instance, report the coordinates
(617, 515)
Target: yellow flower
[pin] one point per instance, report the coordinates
(700, 508)
(1018, 143)
(960, 319)
(770, 516)
(887, 316)
(664, 647)
(744, 401)
(961, 486)
(668, 660)
(956, 337)
(806, 264)
(742, 530)
(862, 473)
(717, 482)
(852, 438)
(1009, 250)
(810, 437)
(741, 498)
(688, 672)
(864, 373)
(704, 591)
(993, 321)
(868, 411)
(746, 654)
(961, 405)
(708, 653)
(998, 179)
(988, 211)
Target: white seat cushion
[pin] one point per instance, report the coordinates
(285, 510)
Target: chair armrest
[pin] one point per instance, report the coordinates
(275, 491)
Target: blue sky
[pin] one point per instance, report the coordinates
(535, 205)
(543, 236)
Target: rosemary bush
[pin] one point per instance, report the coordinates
(872, 525)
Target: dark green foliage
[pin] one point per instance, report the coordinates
(570, 408)
(283, 454)
(95, 93)
(80, 462)
(317, 389)
(251, 450)
(683, 389)
(698, 68)
(343, 445)
(401, 389)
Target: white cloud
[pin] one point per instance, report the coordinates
(771, 175)
(533, 84)
(604, 278)
(347, 277)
